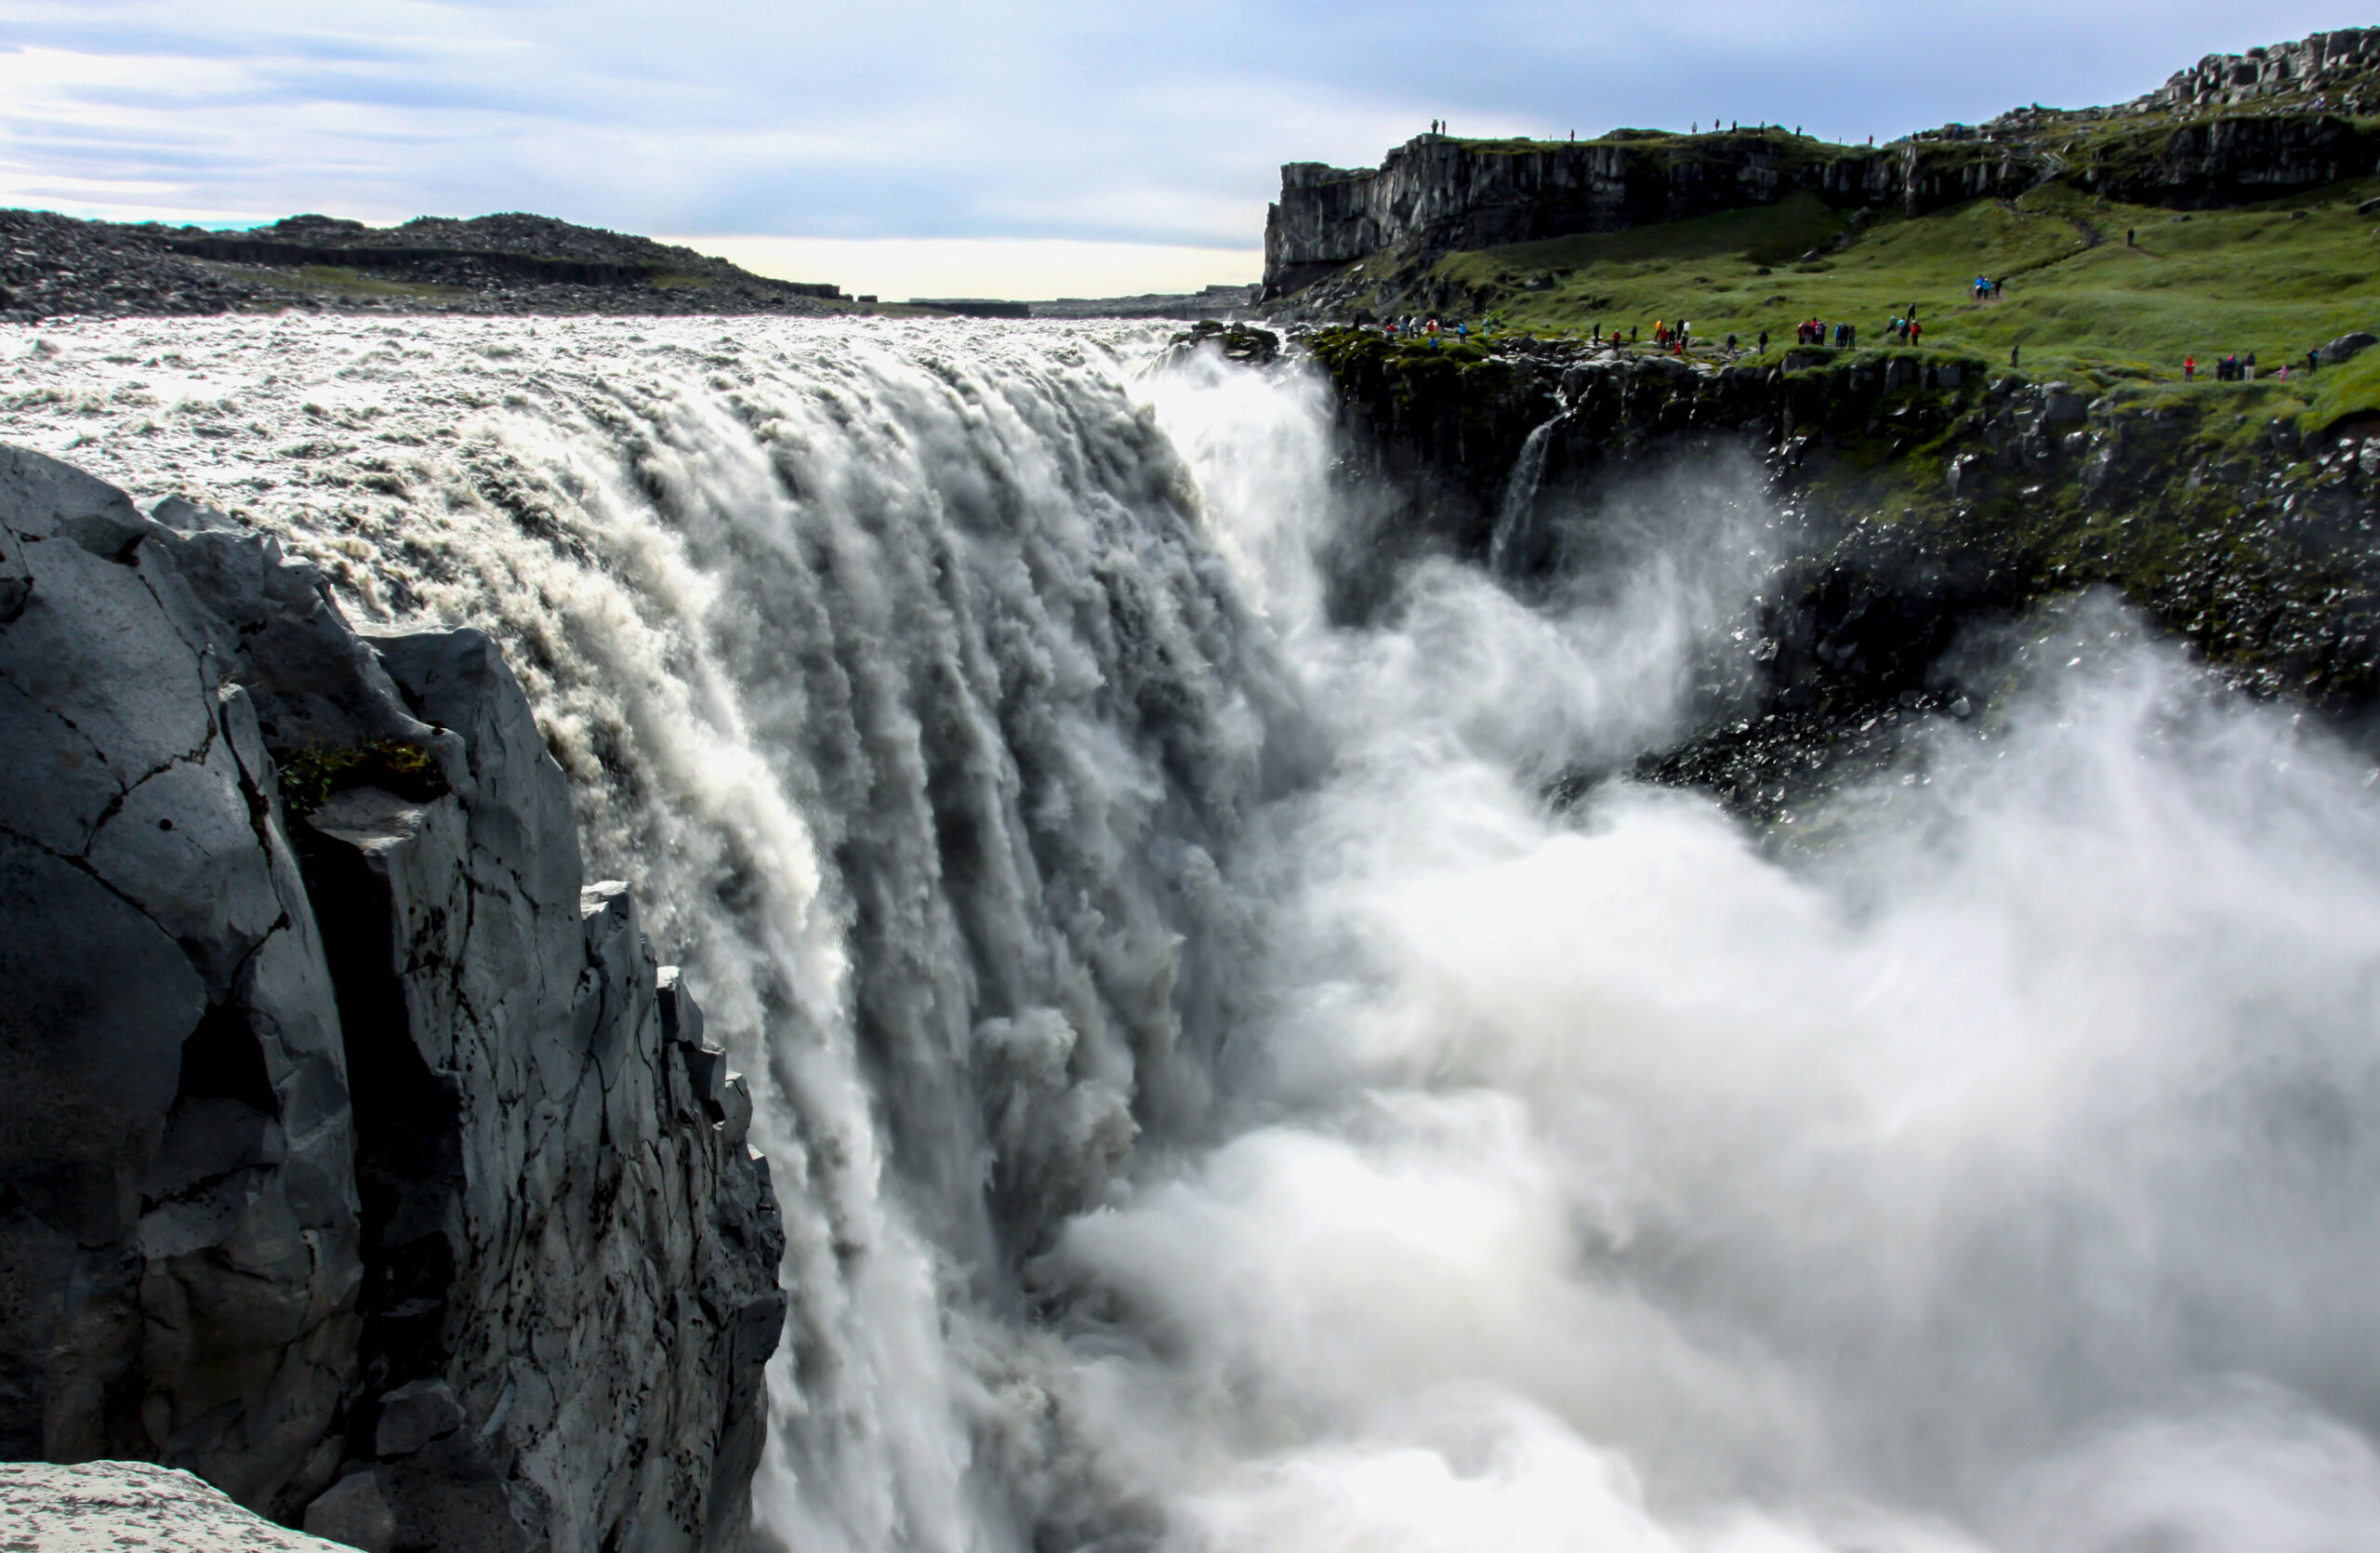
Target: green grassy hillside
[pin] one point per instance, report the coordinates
(2273, 279)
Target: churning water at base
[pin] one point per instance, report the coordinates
(1219, 1105)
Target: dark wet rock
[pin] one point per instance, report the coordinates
(413, 1416)
(1239, 342)
(357, 1159)
(353, 1513)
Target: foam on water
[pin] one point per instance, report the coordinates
(1219, 1104)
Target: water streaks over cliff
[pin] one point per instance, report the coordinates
(1218, 1102)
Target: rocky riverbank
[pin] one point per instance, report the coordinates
(355, 1155)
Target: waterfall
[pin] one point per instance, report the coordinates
(1219, 1103)
(1514, 544)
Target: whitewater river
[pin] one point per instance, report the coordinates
(1219, 1105)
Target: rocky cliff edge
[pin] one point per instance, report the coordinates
(354, 1154)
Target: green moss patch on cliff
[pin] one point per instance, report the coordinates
(308, 776)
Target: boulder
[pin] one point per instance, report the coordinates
(2062, 406)
(353, 1513)
(414, 1414)
(2346, 347)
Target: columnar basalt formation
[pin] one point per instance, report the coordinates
(2336, 62)
(1436, 193)
(354, 1154)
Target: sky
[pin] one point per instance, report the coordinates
(1028, 149)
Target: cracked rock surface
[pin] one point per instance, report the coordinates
(361, 1162)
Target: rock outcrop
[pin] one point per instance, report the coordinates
(353, 1154)
(2337, 66)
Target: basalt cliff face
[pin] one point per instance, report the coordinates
(2233, 128)
(355, 1155)
(1436, 193)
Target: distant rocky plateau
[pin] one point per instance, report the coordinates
(355, 1154)
(56, 266)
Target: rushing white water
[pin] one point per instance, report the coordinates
(1220, 1104)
